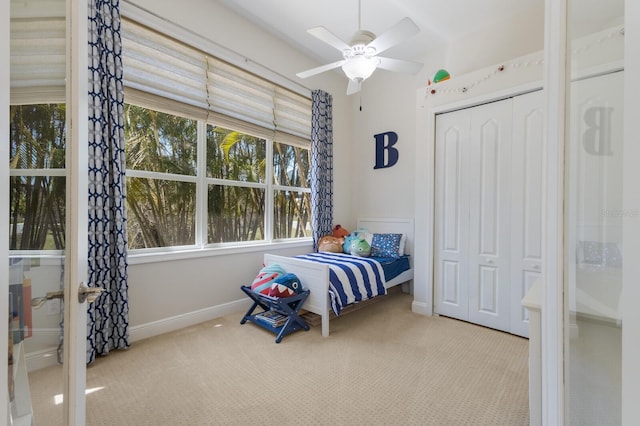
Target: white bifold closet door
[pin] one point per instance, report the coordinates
(488, 211)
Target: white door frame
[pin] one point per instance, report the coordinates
(5, 45)
(631, 222)
(76, 257)
(552, 315)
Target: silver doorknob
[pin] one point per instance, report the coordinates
(85, 294)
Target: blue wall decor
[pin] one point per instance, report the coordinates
(384, 145)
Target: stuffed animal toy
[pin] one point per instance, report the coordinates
(262, 282)
(360, 234)
(346, 247)
(339, 231)
(285, 286)
(360, 247)
(330, 244)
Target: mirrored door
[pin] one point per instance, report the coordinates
(594, 212)
(46, 381)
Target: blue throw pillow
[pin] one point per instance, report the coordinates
(385, 245)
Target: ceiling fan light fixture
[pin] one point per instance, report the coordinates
(360, 68)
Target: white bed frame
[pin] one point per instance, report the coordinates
(315, 276)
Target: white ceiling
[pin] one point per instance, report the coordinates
(440, 21)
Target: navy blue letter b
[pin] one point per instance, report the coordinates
(387, 148)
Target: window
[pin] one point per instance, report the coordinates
(217, 155)
(241, 203)
(236, 188)
(292, 196)
(161, 152)
(37, 184)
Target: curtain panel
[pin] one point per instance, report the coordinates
(108, 316)
(321, 165)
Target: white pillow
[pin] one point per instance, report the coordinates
(403, 240)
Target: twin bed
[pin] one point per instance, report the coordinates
(319, 272)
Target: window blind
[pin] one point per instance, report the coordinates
(163, 73)
(169, 75)
(37, 63)
(292, 115)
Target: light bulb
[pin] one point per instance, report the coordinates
(360, 68)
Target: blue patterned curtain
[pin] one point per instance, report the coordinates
(108, 316)
(321, 165)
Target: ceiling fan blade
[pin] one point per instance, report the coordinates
(399, 65)
(401, 31)
(328, 37)
(318, 70)
(353, 87)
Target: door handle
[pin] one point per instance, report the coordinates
(88, 294)
(85, 294)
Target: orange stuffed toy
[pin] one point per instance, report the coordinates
(330, 244)
(340, 232)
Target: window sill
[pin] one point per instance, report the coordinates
(194, 253)
(135, 257)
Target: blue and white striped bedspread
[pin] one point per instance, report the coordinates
(351, 278)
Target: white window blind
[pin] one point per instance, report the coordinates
(38, 64)
(160, 72)
(293, 116)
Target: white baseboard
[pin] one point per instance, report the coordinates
(421, 308)
(48, 357)
(178, 322)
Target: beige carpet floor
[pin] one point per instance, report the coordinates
(382, 365)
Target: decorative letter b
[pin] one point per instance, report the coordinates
(382, 148)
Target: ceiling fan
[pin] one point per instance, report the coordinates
(360, 58)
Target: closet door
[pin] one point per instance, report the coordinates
(489, 183)
(451, 276)
(526, 203)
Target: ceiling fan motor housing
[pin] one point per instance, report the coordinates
(359, 44)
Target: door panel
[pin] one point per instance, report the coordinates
(489, 179)
(451, 282)
(526, 201)
(488, 290)
(451, 272)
